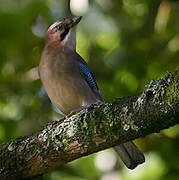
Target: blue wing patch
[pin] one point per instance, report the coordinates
(88, 75)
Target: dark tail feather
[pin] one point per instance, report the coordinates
(130, 154)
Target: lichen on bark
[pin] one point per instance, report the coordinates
(100, 126)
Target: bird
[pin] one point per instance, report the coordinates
(69, 82)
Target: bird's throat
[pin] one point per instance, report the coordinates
(63, 35)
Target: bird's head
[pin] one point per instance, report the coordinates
(63, 32)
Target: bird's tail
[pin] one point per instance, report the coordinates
(130, 154)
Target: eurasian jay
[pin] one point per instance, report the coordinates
(69, 82)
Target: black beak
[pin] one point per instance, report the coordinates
(76, 20)
(71, 22)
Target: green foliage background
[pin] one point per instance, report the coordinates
(126, 43)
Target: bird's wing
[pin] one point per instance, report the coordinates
(88, 76)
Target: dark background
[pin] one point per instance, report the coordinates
(126, 44)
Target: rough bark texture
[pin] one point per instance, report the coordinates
(98, 127)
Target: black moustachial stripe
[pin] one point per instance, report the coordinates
(64, 34)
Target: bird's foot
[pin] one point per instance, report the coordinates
(73, 112)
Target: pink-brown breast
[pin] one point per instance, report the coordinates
(63, 82)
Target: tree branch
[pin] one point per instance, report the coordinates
(98, 127)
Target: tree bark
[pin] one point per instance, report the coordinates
(100, 126)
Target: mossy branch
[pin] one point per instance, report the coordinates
(98, 127)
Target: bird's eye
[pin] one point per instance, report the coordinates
(59, 28)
